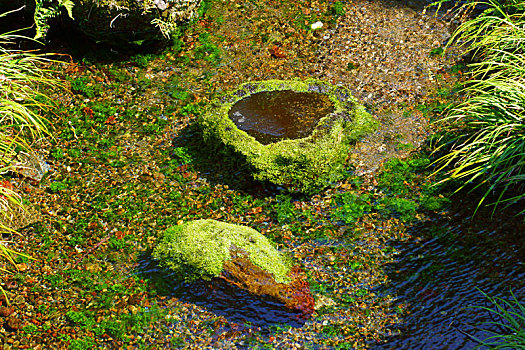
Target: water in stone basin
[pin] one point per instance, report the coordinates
(272, 116)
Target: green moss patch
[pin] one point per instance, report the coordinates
(198, 249)
(307, 164)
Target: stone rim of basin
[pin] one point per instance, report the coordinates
(306, 164)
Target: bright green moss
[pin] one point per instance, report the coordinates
(307, 164)
(198, 249)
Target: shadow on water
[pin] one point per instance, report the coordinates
(235, 304)
(438, 277)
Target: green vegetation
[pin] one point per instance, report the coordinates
(509, 319)
(338, 9)
(436, 51)
(45, 10)
(302, 165)
(82, 344)
(86, 86)
(402, 191)
(199, 249)
(207, 50)
(120, 327)
(22, 76)
(350, 206)
(487, 149)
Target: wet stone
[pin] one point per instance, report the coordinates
(6, 311)
(272, 116)
(14, 324)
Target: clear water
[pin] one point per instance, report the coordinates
(271, 116)
(441, 276)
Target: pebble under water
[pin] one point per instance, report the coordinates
(271, 116)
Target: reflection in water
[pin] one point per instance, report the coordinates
(437, 279)
(271, 116)
(236, 304)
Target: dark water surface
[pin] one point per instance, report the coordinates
(438, 276)
(234, 303)
(271, 116)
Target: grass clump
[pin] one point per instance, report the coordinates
(487, 149)
(21, 76)
(509, 320)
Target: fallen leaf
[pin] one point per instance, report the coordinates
(111, 120)
(277, 52)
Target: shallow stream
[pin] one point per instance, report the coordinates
(126, 166)
(442, 274)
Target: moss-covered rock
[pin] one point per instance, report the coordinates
(307, 164)
(238, 256)
(116, 22)
(199, 249)
(132, 20)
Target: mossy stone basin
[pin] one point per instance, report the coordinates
(295, 134)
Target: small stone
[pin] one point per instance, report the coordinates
(322, 301)
(31, 165)
(160, 177)
(14, 324)
(161, 5)
(93, 268)
(277, 52)
(6, 311)
(21, 267)
(317, 25)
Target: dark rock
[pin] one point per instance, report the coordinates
(242, 257)
(295, 295)
(132, 20)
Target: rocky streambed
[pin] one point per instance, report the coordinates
(127, 163)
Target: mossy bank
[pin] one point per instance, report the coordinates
(306, 164)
